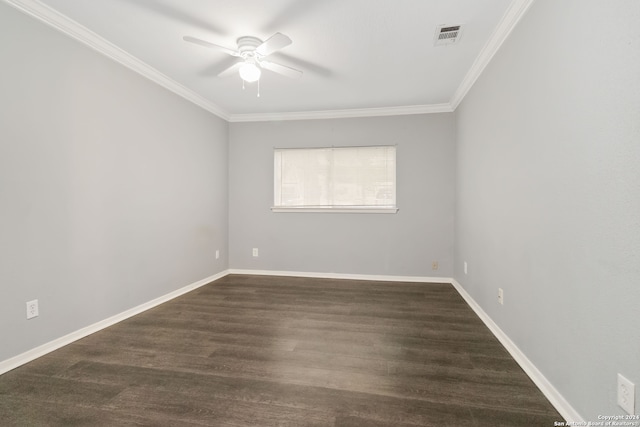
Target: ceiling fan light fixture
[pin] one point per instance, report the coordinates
(249, 72)
(251, 54)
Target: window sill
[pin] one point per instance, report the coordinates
(329, 209)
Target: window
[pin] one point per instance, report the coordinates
(336, 179)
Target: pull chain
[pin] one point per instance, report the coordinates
(243, 87)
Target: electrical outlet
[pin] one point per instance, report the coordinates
(465, 267)
(255, 252)
(434, 265)
(217, 254)
(32, 309)
(500, 296)
(626, 394)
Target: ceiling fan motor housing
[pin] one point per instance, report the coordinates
(247, 46)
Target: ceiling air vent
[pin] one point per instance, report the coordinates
(447, 34)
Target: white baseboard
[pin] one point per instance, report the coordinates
(39, 351)
(550, 392)
(372, 277)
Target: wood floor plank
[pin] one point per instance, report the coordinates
(17, 412)
(216, 411)
(265, 350)
(61, 391)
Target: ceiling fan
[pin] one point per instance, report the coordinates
(252, 53)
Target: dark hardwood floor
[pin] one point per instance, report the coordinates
(282, 351)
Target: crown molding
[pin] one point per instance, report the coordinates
(71, 28)
(511, 17)
(341, 114)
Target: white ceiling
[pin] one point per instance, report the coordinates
(356, 55)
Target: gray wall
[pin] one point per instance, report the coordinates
(548, 195)
(389, 244)
(113, 191)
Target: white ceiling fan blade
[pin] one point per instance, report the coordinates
(211, 45)
(275, 42)
(281, 69)
(231, 70)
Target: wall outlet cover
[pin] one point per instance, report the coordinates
(626, 394)
(32, 309)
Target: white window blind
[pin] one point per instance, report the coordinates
(358, 178)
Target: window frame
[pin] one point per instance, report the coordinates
(368, 209)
